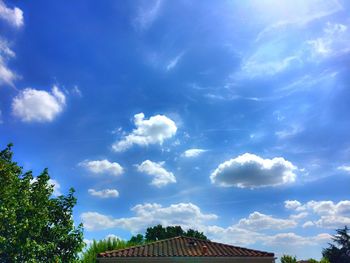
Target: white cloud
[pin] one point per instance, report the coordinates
(32, 105)
(345, 168)
(300, 13)
(103, 166)
(12, 16)
(331, 215)
(152, 131)
(185, 214)
(161, 176)
(146, 15)
(308, 224)
(299, 216)
(251, 171)
(7, 76)
(105, 193)
(232, 235)
(334, 41)
(193, 152)
(172, 63)
(259, 221)
(292, 239)
(56, 187)
(293, 204)
(260, 65)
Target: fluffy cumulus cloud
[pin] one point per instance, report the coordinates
(161, 176)
(103, 166)
(193, 152)
(258, 221)
(14, 16)
(330, 215)
(251, 171)
(154, 130)
(32, 105)
(105, 193)
(149, 214)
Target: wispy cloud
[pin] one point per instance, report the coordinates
(307, 12)
(173, 62)
(147, 14)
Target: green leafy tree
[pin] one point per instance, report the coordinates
(34, 226)
(196, 234)
(90, 255)
(340, 251)
(311, 260)
(288, 259)
(137, 240)
(159, 232)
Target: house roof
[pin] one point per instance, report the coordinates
(185, 247)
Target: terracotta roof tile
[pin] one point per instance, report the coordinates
(185, 247)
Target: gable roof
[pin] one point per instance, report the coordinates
(185, 247)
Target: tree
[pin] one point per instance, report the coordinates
(137, 240)
(90, 255)
(159, 232)
(340, 251)
(34, 226)
(288, 259)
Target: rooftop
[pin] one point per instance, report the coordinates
(185, 247)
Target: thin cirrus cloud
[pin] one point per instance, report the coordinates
(14, 16)
(173, 62)
(194, 152)
(32, 105)
(154, 130)
(161, 177)
(105, 193)
(102, 166)
(147, 13)
(251, 171)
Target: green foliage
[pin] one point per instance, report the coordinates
(288, 259)
(136, 240)
(340, 251)
(90, 255)
(159, 232)
(34, 226)
(311, 260)
(324, 260)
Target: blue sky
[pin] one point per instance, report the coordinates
(229, 117)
